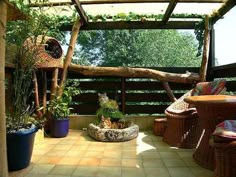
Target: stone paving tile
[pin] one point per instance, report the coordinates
(78, 155)
(63, 170)
(180, 172)
(157, 172)
(133, 172)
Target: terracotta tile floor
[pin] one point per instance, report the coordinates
(77, 155)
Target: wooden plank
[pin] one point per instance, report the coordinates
(231, 85)
(100, 85)
(155, 86)
(224, 71)
(90, 109)
(223, 10)
(145, 109)
(85, 109)
(92, 97)
(81, 11)
(135, 25)
(149, 97)
(169, 11)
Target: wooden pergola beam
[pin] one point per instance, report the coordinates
(80, 10)
(223, 10)
(146, 1)
(135, 25)
(87, 2)
(13, 13)
(169, 11)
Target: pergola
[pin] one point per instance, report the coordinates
(83, 8)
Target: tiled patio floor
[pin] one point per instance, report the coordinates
(78, 155)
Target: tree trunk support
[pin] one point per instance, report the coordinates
(205, 54)
(169, 91)
(135, 73)
(123, 100)
(3, 146)
(44, 92)
(36, 95)
(69, 54)
(54, 84)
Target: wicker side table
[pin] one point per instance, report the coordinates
(159, 126)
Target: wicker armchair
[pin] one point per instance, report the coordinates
(183, 128)
(225, 149)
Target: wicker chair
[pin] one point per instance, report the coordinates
(183, 128)
(225, 149)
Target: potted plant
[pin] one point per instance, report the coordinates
(59, 108)
(21, 125)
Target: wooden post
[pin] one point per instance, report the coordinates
(123, 95)
(44, 91)
(169, 91)
(36, 95)
(205, 54)
(54, 83)
(69, 54)
(3, 146)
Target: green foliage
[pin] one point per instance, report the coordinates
(138, 17)
(59, 106)
(199, 33)
(108, 108)
(140, 48)
(114, 114)
(37, 23)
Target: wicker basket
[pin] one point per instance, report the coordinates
(47, 51)
(159, 126)
(225, 159)
(183, 128)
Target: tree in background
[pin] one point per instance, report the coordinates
(137, 48)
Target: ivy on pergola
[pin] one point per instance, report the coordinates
(164, 23)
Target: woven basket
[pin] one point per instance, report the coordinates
(183, 128)
(47, 51)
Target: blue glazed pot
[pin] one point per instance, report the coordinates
(59, 127)
(19, 148)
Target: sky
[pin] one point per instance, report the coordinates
(225, 38)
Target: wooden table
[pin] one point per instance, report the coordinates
(212, 109)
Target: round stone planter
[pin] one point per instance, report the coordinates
(115, 135)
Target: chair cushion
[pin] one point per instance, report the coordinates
(225, 130)
(209, 88)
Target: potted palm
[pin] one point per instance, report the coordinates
(21, 124)
(60, 109)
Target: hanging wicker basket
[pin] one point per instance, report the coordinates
(46, 51)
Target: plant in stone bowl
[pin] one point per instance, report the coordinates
(108, 108)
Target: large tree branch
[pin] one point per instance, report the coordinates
(69, 54)
(135, 72)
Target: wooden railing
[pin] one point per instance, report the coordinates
(135, 95)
